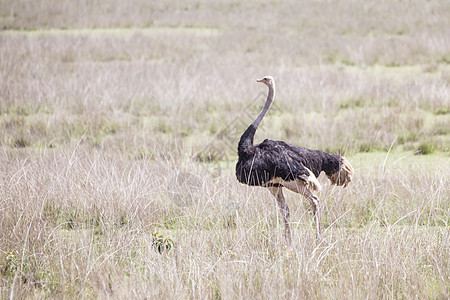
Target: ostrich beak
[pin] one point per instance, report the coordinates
(259, 80)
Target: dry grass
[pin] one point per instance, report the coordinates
(79, 222)
(121, 118)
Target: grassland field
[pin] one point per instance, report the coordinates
(119, 122)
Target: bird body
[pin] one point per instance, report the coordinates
(276, 164)
(265, 162)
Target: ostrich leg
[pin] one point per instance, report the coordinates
(278, 193)
(301, 188)
(316, 210)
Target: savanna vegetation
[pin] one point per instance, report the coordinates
(119, 122)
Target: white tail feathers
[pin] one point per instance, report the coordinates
(344, 175)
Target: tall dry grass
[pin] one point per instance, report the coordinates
(79, 223)
(119, 122)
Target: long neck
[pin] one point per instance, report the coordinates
(247, 137)
(269, 101)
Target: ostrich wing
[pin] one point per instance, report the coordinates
(282, 160)
(273, 160)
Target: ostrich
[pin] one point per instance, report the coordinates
(276, 164)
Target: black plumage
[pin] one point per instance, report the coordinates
(261, 163)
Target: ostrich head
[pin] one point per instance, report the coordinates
(267, 80)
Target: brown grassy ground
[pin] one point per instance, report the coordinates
(120, 119)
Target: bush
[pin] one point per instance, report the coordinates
(425, 148)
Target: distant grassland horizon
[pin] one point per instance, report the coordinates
(119, 123)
